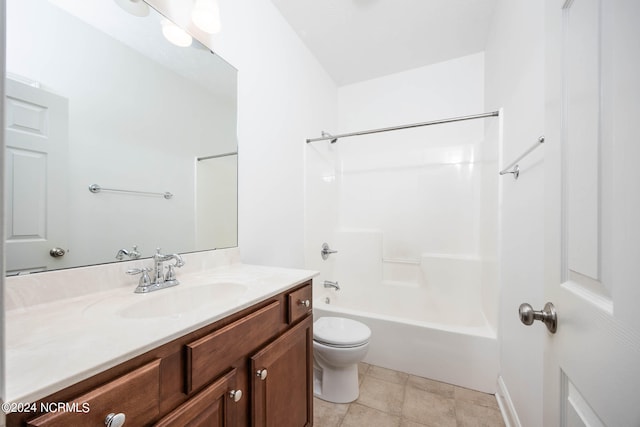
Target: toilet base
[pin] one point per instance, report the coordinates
(336, 385)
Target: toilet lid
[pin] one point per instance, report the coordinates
(338, 331)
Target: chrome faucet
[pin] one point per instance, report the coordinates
(330, 284)
(133, 253)
(160, 280)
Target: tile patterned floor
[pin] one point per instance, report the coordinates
(396, 399)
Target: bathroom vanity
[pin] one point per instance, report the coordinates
(244, 361)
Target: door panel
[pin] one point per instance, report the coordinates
(36, 168)
(592, 374)
(582, 141)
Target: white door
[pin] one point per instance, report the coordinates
(592, 224)
(35, 177)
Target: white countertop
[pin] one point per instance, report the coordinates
(52, 345)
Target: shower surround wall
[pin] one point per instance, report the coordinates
(414, 224)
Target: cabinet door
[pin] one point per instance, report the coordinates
(282, 380)
(215, 406)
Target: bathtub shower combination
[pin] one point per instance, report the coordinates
(415, 230)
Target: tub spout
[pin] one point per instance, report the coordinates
(330, 284)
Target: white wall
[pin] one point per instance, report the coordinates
(284, 97)
(419, 185)
(514, 60)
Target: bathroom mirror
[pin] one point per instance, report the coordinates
(96, 96)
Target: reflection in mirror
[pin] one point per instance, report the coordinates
(97, 96)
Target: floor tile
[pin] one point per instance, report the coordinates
(363, 416)
(381, 395)
(362, 371)
(387, 375)
(436, 387)
(408, 423)
(327, 414)
(363, 368)
(476, 397)
(471, 415)
(428, 408)
(390, 398)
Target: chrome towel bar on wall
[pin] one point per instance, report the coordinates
(95, 188)
(515, 169)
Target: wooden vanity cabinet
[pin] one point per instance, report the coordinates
(250, 369)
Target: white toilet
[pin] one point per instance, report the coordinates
(338, 345)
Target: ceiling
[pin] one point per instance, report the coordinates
(358, 40)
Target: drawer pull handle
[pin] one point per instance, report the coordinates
(114, 420)
(262, 374)
(236, 395)
(305, 302)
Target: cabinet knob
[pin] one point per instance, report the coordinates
(114, 420)
(236, 395)
(262, 374)
(305, 302)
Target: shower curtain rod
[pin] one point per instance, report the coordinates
(334, 138)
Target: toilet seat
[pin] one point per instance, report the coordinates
(340, 332)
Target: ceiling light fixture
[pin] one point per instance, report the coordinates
(134, 7)
(175, 34)
(206, 16)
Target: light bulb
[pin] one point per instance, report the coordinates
(175, 34)
(206, 16)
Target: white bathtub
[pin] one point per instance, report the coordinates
(431, 329)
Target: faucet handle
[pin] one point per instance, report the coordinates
(326, 251)
(171, 272)
(145, 280)
(134, 252)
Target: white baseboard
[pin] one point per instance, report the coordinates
(509, 413)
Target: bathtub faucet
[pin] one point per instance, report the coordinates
(330, 284)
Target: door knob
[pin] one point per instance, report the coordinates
(547, 316)
(57, 252)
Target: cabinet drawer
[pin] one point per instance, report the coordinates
(210, 355)
(299, 302)
(136, 395)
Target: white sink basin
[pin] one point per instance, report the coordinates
(164, 303)
(170, 302)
